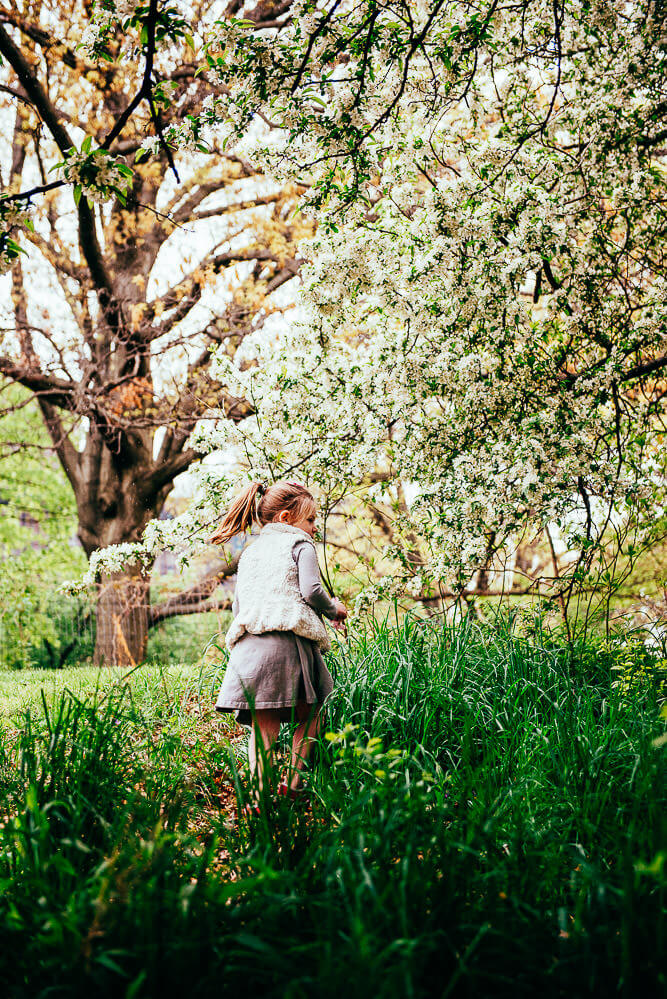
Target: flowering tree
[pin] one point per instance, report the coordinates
(486, 293)
(483, 343)
(129, 278)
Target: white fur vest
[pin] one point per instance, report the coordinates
(267, 589)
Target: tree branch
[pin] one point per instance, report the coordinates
(145, 88)
(645, 369)
(196, 599)
(46, 40)
(162, 612)
(58, 261)
(235, 206)
(54, 390)
(182, 297)
(87, 234)
(67, 453)
(166, 472)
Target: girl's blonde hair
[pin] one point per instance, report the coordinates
(260, 504)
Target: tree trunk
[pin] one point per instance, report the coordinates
(122, 619)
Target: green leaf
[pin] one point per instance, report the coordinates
(13, 247)
(108, 962)
(86, 144)
(77, 194)
(133, 989)
(190, 42)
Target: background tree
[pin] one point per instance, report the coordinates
(117, 304)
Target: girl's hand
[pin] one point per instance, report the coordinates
(341, 609)
(341, 613)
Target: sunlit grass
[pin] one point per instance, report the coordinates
(22, 689)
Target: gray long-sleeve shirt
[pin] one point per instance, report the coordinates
(310, 582)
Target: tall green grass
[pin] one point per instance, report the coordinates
(487, 820)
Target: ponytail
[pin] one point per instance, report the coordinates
(260, 504)
(242, 514)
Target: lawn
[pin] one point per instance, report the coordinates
(487, 818)
(22, 689)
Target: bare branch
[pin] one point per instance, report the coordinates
(34, 90)
(186, 200)
(183, 296)
(55, 390)
(162, 612)
(67, 453)
(46, 40)
(235, 206)
(58, 261)
(196, 599)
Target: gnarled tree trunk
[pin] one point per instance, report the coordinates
(115, 500)
(122, 619)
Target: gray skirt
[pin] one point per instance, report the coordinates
(274, 670)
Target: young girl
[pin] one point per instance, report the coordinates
(276, 671)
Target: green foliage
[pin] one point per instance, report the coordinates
(637, 669)
(38, 549)
(181, 639)
(487, 819)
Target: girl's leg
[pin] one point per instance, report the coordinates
(308, 716)
(265, 728)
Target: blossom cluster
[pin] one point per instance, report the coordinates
(13, 216)
(105, 16)
(184, 135)
(95, 173)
